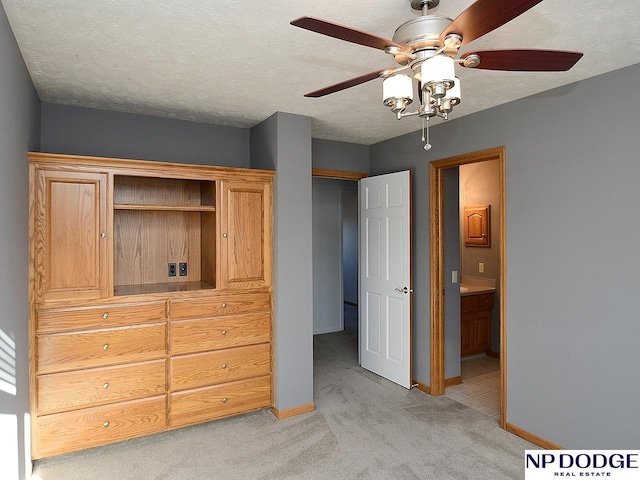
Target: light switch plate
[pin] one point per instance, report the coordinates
(481, 267)
(454, 276)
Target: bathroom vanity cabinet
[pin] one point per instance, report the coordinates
(475, 323)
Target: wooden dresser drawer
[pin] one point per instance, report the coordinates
(59, 392)
(222, 366)
(225, 305)
(191, 336)
(203, 404)
(88, 427)
(94, 317)
(98, 348)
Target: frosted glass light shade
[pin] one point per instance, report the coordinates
(397, 87)
(437, 69)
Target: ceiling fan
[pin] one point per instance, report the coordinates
(428, 47)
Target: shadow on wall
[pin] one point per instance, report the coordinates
(10, 435)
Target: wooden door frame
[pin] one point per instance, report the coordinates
(436, 232)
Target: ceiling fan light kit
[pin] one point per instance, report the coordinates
(428, 47)
(397, 92)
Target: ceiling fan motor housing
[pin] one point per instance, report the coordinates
(422, 33)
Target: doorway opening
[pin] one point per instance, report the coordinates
(444, 275)
(335, 255)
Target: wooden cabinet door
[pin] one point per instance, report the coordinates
(71, 235)
(477, 226)
(246, 235)
(482, 334)
(466, 333)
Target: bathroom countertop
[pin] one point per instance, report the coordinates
(475, 285)
(475, 290)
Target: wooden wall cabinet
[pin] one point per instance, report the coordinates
(245, 262)
(71, 235)
(119, 348)
(475, 323)
(477, 226)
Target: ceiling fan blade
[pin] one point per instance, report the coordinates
(484, 16)
(347, 34)
(352, 82)
(526, 60)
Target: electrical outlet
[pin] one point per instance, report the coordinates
(182, 267)
(172, 269)
(481, 267)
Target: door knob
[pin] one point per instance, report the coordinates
(402, 290)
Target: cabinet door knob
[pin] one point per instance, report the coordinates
(105, 315)
(105, 424)
(224, 400)
(224, 332)
(225, 235)
(103, 235)
(105, 346)
(106, 385)
(224, 305)
(224, 365)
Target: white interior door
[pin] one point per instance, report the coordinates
(385, 276)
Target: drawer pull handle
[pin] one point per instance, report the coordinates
(105, 424)
(105, 346)
(224, 400)
(224, 305)
(106, 385)
(105, 315)
(224, 332)
(224, 365)
(103, 235)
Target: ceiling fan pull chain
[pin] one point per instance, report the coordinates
(425, 128)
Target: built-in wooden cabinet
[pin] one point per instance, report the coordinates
(243, 254)
(475, 323)
(71, 235)
(121, 347)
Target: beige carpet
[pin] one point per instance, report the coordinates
(364, 427)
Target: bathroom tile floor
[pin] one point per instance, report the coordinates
(480, 387)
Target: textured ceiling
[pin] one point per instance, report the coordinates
(235, 63)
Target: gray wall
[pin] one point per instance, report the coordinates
(19, 133)
(283, 142)
(328, 306)
(452, 325)
(86, 131)
(347, 157)
(572, 192)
